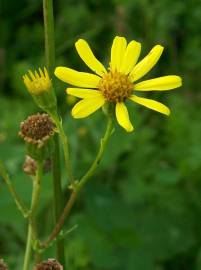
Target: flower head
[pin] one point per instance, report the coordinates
(37, 82)
(37, 131)
(118, 83)
(50, 264)
(39, 85)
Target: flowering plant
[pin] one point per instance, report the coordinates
(110, 89)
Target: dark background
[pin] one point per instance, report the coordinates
(142, 209)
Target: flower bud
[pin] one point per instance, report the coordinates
(40, 87)
(3, 266)
(50, 264)
(30, 166)
(37, 131)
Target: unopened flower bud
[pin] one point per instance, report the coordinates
(30, 166)
(3, 266)
(50, 264)
(37, 131)
(39, 85)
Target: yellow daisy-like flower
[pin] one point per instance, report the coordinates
(118, 83)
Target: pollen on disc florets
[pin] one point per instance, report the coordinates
(37, 129)
(115, 86)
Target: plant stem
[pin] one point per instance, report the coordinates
(49, 35)
(58, 198)
(64, 142)
(28, 249)
(80, 185)
(34, 205)
(50, 63)
(20, 205)
(36, 189)
(98, 158)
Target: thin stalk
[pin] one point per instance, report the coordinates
(64, 142)
(98, 158)
(50, 63)
(28, 249)
(34, 205)
(58, 198)
(49, 35)
(80, 185)
(20, 205)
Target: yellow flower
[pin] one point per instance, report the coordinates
(37, 82)
(118, 83)
(40, 87)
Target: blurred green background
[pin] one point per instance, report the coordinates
(142, 209)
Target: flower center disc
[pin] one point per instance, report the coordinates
(115, 86)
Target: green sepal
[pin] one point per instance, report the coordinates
(46, 100)
(40, 152)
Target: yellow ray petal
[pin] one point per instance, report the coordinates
(146, 64)
(88, 57)
(131, 56)
(31, 75)
(80, 79)
(46, 73)
(123, 117)
(87, 106)
(41, 73)
(36, 75)
(83, 93)
(151, 104)
(161, 83)
(117, 52)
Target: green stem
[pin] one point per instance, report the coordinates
(49, 35)
(80, 185)
(98, 158)
(36, 189)
(50, 63)
(34, 204)
(20, 205)
(58, 197)
(64, 142)
(28, 249)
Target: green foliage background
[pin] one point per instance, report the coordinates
(142, 209)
